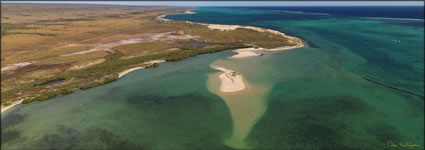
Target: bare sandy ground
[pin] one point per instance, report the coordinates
(16, 66)
(89, 64)
(148, 37)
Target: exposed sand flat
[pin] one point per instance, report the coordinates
(14, 103)
(189, 12)
(231, 81)
(121, 74)
(246, 52)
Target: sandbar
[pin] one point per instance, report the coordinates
(231, 81)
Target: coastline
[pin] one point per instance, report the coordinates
(245, 52)
(3, 109)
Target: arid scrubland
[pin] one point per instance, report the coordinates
(88, 45)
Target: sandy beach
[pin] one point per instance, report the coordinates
(247, 52)
(14, 103)
(231, 81)
(123, 73)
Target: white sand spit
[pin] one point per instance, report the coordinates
(121, 74)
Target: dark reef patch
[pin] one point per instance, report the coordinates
(383, 132)
(319, 123)
(11, 120)
(10, 135)
(148, 100)
(92, 138)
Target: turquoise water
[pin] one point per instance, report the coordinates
(357, 85)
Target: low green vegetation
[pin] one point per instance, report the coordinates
(138, 49)
(7, 104)
(154, 65)
(28, 100)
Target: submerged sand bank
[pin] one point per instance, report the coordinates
(246, 105)
(121, 74)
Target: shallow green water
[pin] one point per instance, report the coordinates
(316, 97)
(164, 108)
